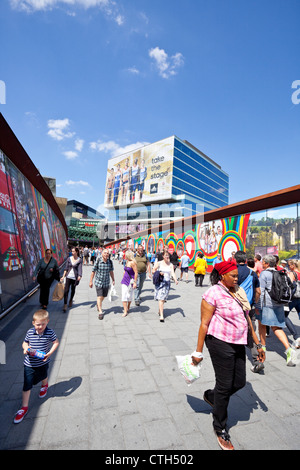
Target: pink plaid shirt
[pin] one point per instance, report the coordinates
(228, 322)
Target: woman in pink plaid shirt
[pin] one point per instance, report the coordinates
(224, 329)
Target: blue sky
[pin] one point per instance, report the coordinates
(88, 79)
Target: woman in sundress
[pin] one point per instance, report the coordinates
(161, 293)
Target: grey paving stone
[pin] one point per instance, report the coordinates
(114, 384)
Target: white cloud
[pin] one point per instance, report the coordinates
(109, 7)
(58, 129)
(78, 183)
(167, 66)
(115, 149)
(133, 70)
(79, 144)
(106, 147)
(119, 19)
(70, 154)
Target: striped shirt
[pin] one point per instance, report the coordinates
(228, 322)
(41, 342)
(102, 272)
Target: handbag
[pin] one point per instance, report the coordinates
(58, 293)
(157, 278)
(41, 274)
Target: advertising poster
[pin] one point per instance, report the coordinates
(144, 175)
(28, 226)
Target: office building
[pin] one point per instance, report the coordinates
(169, 179)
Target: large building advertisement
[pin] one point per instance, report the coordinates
(273, 231)
(28, 226)
(144, 175)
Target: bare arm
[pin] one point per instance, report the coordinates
(207, 312)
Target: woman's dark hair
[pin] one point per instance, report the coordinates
(76, 249)
(214, 277)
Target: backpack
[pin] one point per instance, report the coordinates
(247, 285)
(281, 290)
(296, 287)
(296, 294)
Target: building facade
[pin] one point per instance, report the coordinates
(169, 179)
(83, 222)
(77, 210)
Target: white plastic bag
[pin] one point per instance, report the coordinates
(112, 293)
(188, 369)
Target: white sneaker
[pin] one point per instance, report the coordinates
(290, 357)
(296, 343)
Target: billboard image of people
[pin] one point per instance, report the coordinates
(144, 175)
(28, 226)
(10, 247)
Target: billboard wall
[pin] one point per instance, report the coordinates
(28, 226)
(144, 175)
(274, 231)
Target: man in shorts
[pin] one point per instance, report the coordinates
(102, 271)
(143, 266)
(184, 266)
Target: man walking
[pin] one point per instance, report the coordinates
(184, 267)
(249, 281)
(102, 271)
(143, 266)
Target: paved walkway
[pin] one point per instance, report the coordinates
(114, 384)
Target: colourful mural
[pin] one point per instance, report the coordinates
(218, 236)
(28, 226)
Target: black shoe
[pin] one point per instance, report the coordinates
(206, 399)
(257, 368)
(224, 440)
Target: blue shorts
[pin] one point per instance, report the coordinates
(34, 375)
(273, 316)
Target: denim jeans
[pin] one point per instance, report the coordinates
(229, 363)
(139, 285)
(295, 303)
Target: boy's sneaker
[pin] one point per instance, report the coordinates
(21, 414)
(290, 357)
(43, 391)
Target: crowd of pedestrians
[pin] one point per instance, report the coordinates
(243, 293)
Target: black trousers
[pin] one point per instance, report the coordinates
(229, 363)
(69, 283)
(44, 291)
(199, 279)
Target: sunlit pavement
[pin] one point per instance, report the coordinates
(114, 383)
